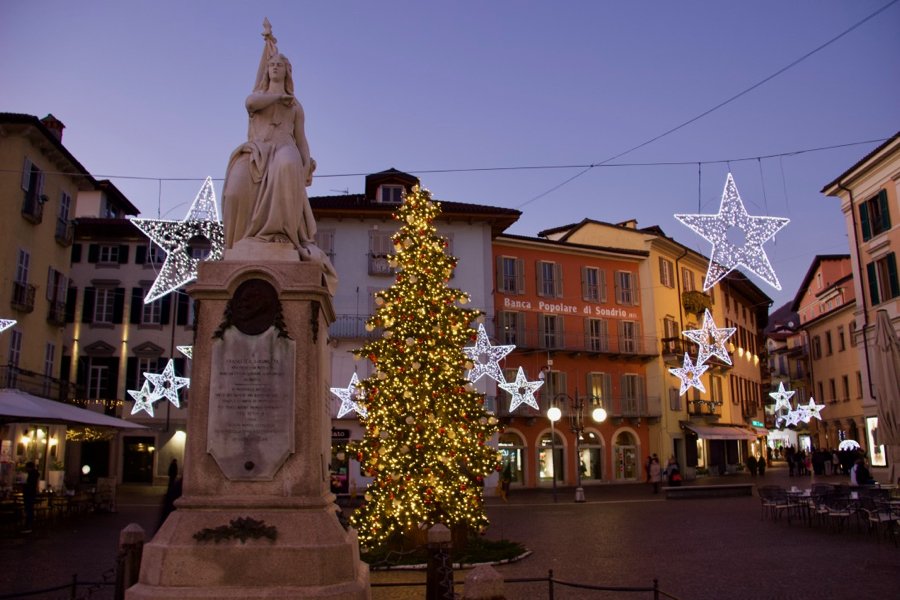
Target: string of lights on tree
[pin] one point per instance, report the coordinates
(426, 436)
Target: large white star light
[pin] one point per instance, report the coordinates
(143, 399)
(737, 238)
(6, 324)
(175, 237)
(349, 396)
(485, 358)
(167, 383)
(522, 391)
(782, 397)
(711, 339)
(689, 374)
(810, 411)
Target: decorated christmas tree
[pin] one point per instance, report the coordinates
(427, 431)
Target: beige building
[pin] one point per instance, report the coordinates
(869, 194)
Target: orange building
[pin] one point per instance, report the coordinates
(574, 314)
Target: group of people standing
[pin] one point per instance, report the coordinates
(655, 472)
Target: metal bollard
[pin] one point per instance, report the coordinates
(128, 562)
(439, 574)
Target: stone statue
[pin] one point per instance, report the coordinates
(264, 197)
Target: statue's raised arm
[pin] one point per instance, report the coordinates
(264, 198)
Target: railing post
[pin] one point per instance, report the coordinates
(73, 593)
(550, 584)
(439, 574)
(128, 562)
(656, 589)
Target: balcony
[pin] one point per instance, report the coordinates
(379, 264)
(611, 346)
(704, 408)
(351, 327)
(648, 407)
(65, 232)
(33, 207)
(56, 314)
(34, 383)
(22, 297)
(674, 349)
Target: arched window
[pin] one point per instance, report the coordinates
(590, 456)
(512, 456)
(551, 456)
(625, 457)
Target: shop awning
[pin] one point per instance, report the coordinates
(19, 406)
(721, 432)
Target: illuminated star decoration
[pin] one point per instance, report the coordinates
(167, 384)
(814, 410)
(186, 350)
(522, 391)
(792, 418)
(349, 396)
(6, 324)
(175, 237)
(143, 399)
(689, 375)
(782, 397)
(744, 248)
(711, 339)
(485, 358)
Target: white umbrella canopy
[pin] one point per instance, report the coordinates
(19, 406)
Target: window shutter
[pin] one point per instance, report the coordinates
(87, 309)
(539, 272)
(118, 305)
(179, 366)
(638, 340)
(563, 383)
(892, 275)
(636, 292)
(137, 305)
(585, 294)
(132, 379)
(885, 211)
(76, 253)
(112, 388)
(873, 283)
(71, 297)
(123, 254)
(26, 174)
(51, 284)
(602, 275)
(557, 280)
(93, 253)
(620, 330)
(864, 221)
(520, 276)
(165, 308)
(183, 307)
(542, 338)
(140, 255)
(499, 273)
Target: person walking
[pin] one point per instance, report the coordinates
(29, 494)
(173, 471)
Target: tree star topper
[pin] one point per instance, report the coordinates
(711, 339)
(522, 391)
(744, 248)
(175, 237)
(348, 396)
(485, 358)
(167, 384)
(143, 399)
(689, 375)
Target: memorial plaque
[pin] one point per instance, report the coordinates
(251, 403)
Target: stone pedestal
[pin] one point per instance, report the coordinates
(257, 518)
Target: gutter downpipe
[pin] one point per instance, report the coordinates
(862, 289)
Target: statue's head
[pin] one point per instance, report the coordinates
(278, 65)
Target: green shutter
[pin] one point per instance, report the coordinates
(885, 212)
(864, 221)
(873, 283)
(892, 274)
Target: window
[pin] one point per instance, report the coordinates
(874, 215)
(632, 395)
(629, 336)
(510, 275)
(33, 186)
(151, 312)
(108, 254)
(859, 388)
(380, 248)
(596, 332)
(852, 333)
(599, 387)
(64, 230)
(666, 272)
(23, 292)
(104, 305)
(687, 280)
(821, 390)
(816, 348)
(15, 355)
(819, 283)
(840, 334)
(22, 264)
(883, 282)
(626, 291)
(57, 291)
(670, 339)
(49, 360)
(512, 328)
(549, 279)
(550, 331)
(845, 388)
(715, 390)
(829, 349)
(832, 388)
(390, 194)
(674, 399)
(98, 380)
(325, 242)
(593, 284)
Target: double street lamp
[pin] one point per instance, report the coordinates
(576, 424)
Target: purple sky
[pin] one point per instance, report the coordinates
(155, 90)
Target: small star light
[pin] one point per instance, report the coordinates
(175, 237)
(348, 396)
(792, 418)
(747, 234)
(143, 399)
(812, 410)
(6, 324)
(782, 397)
(167, 384)
(186, 350)
(486, 358)
(689, 375)
(522, 391)
(711, 339)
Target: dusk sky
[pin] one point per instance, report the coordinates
(509, 99)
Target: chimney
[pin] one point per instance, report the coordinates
(629, 224)
(54, 125)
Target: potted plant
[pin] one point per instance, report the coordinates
(695, 302)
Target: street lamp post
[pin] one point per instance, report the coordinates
(576, 422)
(554, 414)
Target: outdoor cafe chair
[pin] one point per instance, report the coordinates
(839, 511)
(879, 517)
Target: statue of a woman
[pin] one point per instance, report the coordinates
(264, 197)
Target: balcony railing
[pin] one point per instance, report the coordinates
(22, 297)
(704, 408)
(37, 384)
(616, 345)
(673, 350)
(616, 407)
(351, 327)
(379, 265)
(56, 313)
(33, 207)
(65, 232)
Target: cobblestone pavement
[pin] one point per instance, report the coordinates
(622, 536)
